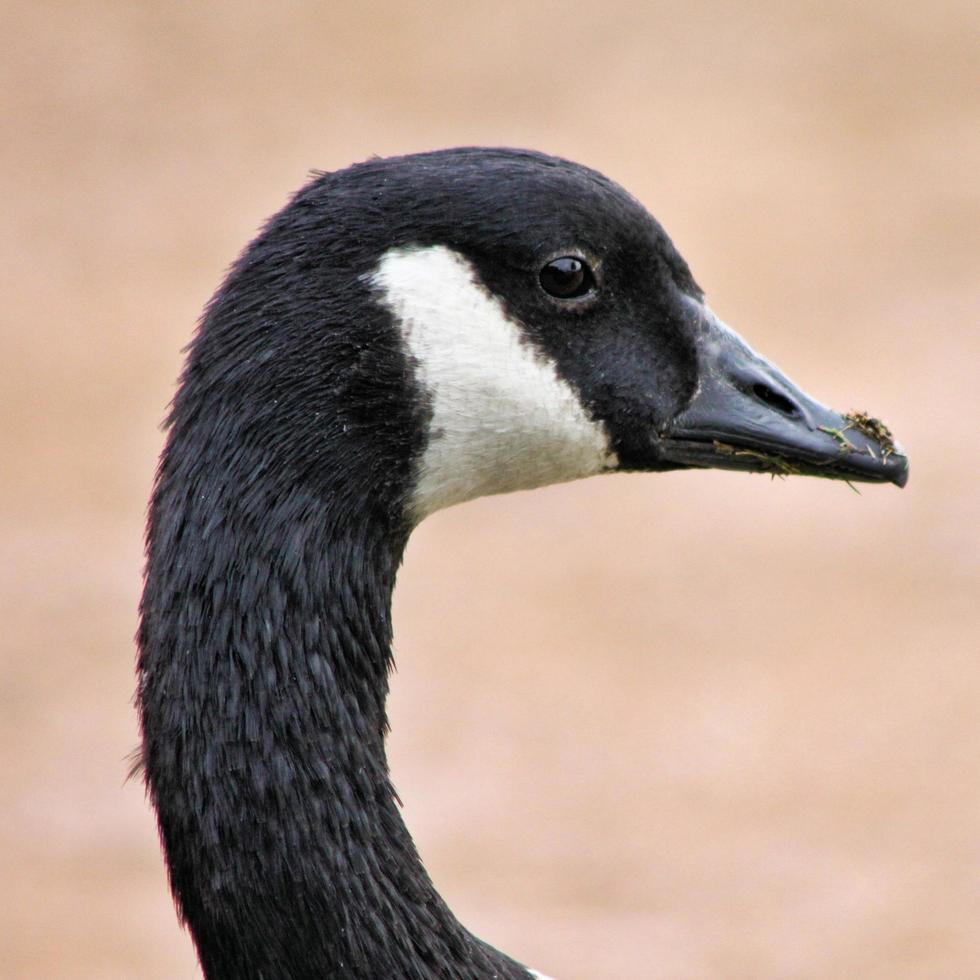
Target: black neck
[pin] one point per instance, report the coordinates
(264, 662)
(276, 529)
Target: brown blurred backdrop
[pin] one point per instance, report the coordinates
(686, 726)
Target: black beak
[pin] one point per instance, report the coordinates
(746, 415)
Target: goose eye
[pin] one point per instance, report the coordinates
(566, 278)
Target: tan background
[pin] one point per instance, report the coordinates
(682, 726)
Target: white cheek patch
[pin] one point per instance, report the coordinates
(502, 418)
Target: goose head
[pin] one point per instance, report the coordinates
(543, 327)
(404, 335)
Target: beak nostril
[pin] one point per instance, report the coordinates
(775, 400)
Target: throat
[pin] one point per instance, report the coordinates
(263, 676)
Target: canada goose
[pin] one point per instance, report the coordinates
(404, 335)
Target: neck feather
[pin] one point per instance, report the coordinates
(276, 529)
(265, 649)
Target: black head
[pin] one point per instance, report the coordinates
(415, 331)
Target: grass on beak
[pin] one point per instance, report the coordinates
(779, 466)
(846, 446)
(768, 463)
(875, 429)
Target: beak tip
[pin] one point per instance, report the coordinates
(901, 475)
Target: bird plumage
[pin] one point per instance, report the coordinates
(385, 347)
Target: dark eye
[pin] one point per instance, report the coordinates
(566, 278)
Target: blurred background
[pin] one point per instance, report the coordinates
(694, 725)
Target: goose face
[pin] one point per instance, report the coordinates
(556, 332)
